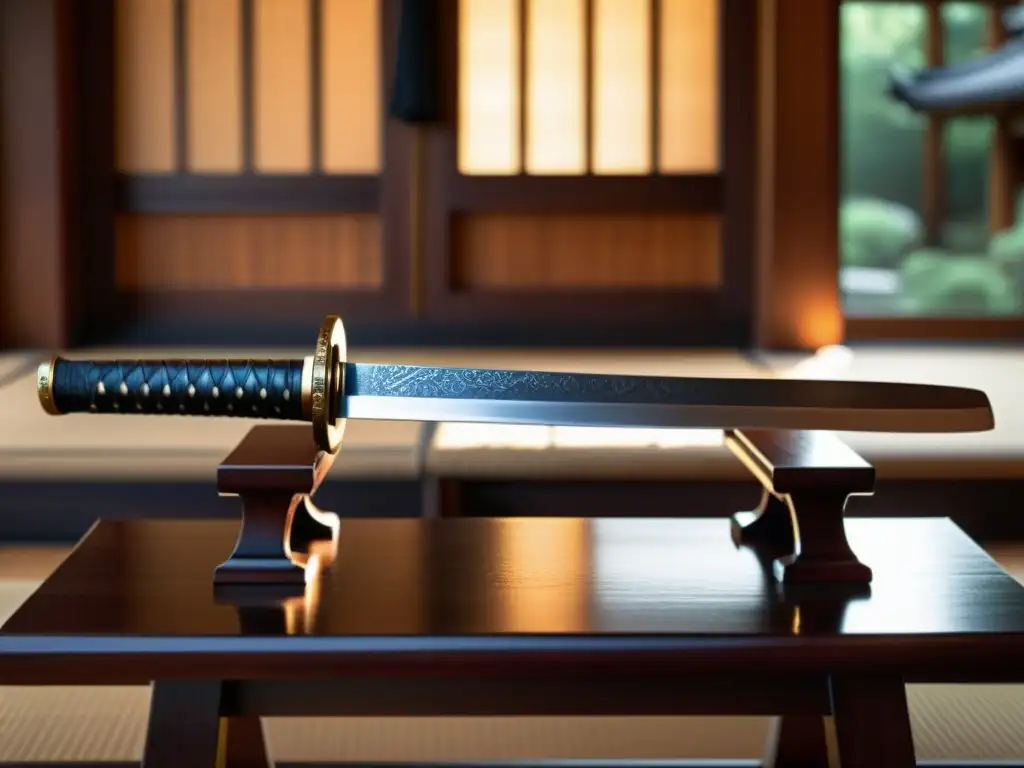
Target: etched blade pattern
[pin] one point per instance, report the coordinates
(488, 396)
(408, 381)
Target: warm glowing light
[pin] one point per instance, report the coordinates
(454, 437)
(545, 567)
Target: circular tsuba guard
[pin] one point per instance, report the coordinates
(323, 382)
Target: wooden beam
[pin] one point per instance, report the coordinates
(799, 305)
(36, 162)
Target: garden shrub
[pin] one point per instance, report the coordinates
(877, 233)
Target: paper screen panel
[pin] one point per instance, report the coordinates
(351, 86)
(625, 99)
(555, 87)
(281, 87)
(689, 87)
(622, 87)
(145, 86)
(214, 86)
(488, 82)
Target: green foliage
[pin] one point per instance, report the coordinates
(876, 233)
(937, 282)
(883, 140)
(1007, 251)
(1008, 247)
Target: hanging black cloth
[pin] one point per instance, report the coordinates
(416, 94)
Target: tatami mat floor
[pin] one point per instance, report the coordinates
(107, 724)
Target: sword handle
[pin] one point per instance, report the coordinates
(306, 389)
(267, 389)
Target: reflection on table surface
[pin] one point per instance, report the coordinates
(523, 575)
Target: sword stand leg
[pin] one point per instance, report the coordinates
(275, 470)
(770, 524)
(821, 552)
(807, 478)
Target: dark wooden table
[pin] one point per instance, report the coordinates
(522, 616)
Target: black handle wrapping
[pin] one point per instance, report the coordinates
(269, 389)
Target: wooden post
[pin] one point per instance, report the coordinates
(798, 301)
(1003, 180)
(934, 189)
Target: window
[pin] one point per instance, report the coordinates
(927, 214)
(585, 153)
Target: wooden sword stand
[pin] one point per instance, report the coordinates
(284, 538)
(807, 478)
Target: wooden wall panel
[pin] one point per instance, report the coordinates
(351, 86)
(500, 251)
(214, 86)
(145, 88)
(281, 87)
(156, 252)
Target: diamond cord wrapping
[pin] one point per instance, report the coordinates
(269, 389)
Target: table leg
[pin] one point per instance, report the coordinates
(185, 728)
(184, 724)
(872, 723)
(247, 746)
(797, 741)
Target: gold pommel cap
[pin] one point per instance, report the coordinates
(44, 386)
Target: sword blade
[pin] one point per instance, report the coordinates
(429, 393)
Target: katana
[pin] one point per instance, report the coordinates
(325, 389)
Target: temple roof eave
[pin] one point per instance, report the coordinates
(986, 84)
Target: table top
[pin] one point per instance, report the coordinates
(514, 593)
